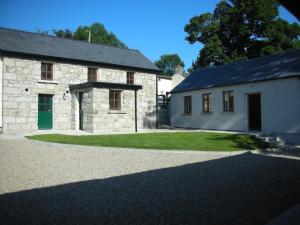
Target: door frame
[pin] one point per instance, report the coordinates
(76, 112)
(248, 111)
(53, 123)
(80, 120)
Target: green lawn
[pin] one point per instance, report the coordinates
(198, 141)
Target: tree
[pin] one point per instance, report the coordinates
(168, 62)
(40, 31)
(63, 33)
(99, 35)
(240, 29)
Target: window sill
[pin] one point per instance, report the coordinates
(116, 112)
(230, 112)
(48, 82)
(187, 114)
(207, 113)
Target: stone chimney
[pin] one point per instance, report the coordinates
(178, 70)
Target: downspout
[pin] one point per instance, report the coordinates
(135, 110)
(156, 104)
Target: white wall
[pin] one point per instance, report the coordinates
(163, 85)
(167, 84)
(280, 107)
(1, 78)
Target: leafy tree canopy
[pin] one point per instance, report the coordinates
(168, 62)
(66, 33)
(99, 35)
(240, 29)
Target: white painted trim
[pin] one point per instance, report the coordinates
(1, 84)
(116, 112)
(48, 81)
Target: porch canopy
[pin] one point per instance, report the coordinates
(107, 85)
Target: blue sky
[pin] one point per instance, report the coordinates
(154, 27)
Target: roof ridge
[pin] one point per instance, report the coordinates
(251, 59)
(67, 39)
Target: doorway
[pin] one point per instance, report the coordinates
(254, 112)
(45, 112)
(80, 98)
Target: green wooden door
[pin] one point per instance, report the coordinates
(45, 112)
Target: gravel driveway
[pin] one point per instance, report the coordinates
(44, 183)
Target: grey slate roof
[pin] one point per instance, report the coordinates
(277, 66)
(49, 46)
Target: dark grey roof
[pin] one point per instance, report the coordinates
(277, 66)
(49, 46)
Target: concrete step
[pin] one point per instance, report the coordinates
(274, 141)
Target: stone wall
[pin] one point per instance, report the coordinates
(22, 84)
(108, 121)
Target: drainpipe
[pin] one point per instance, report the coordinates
(135, 109)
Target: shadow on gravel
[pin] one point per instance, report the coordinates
(243, 189)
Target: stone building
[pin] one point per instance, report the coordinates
(50, 83)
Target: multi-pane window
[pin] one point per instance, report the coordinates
(45, 103)
(228, 103)
(114, 100)
(130, 78)
(92, 74)
(187, 104)
(47, 71)
(206, 99)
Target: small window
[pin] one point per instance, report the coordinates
(206, 99)
(130, 78)
(187, 104)
(114, 100)
(228, 103)
(47, 71)
(92, 74)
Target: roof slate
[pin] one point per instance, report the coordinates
(15, 41)
(276, 66)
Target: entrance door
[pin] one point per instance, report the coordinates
(45, 112)
(254, 112)
(80, 111)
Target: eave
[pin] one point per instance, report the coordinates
(104, 85)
